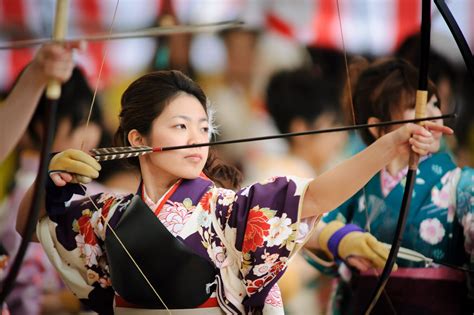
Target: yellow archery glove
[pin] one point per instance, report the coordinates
(341, 241)
(80, 165)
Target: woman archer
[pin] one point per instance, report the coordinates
(236, 244)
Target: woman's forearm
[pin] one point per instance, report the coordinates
(23, 211)
(333, 187)
(51, 62)
(18, 108)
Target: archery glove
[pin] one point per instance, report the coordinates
(80, 165)
(353, 243)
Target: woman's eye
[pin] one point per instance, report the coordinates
(205, 129)
(181, 126)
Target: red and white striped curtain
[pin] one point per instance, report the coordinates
(26, 19)
(368, 26)
(376, 27)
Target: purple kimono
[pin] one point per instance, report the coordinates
(249, 235)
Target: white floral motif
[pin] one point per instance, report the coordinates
(217, 255)
(420, 181)
(96, 223)
(440, 197)
(432, 231)
(204, 219)
(228, 197)
(467, 223)
(270, 258)
(265, 267)
(443, 197)
(262, 269)
(437, 169)
(174, 216)
(361, 203)
(280, 230)
(88, 252)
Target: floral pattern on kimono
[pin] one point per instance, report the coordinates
(259, 226)
(439, 224)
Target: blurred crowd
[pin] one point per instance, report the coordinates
(284, 71)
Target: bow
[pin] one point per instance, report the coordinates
(53, 92)
(458, 36)
(147, 32)
(469, 62)
(420, 111)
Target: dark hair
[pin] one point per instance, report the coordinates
(329, 63)
(300, 93)
(74, 104)
(146, 98)
(439, 66)
(385, 87)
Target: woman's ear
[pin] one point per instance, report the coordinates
(135, 138)
(374, 131)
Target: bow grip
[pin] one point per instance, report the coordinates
(53, 90)
(420, 112)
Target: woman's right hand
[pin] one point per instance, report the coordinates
(73, 166)
(55, 61)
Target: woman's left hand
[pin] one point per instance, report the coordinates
(420, 139)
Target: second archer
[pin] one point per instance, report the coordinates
(439, 223)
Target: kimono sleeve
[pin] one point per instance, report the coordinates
(72, 236)
(465, 208)
(263, 224)
(465, 216)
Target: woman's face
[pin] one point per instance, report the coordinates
(81, 137)
(182, 122)
(431, 110)
(323, 149)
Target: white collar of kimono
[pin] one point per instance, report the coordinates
(150, 203)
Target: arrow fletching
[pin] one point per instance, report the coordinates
(114, 153)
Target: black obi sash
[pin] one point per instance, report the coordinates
(181, 277)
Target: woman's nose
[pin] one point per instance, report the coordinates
(434, 110)
(195, 136)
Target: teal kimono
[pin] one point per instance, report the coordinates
(439, 223)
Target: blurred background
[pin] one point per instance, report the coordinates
(291, 50)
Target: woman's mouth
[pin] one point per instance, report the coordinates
(194, 157)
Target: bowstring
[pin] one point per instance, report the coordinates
(106, 50)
